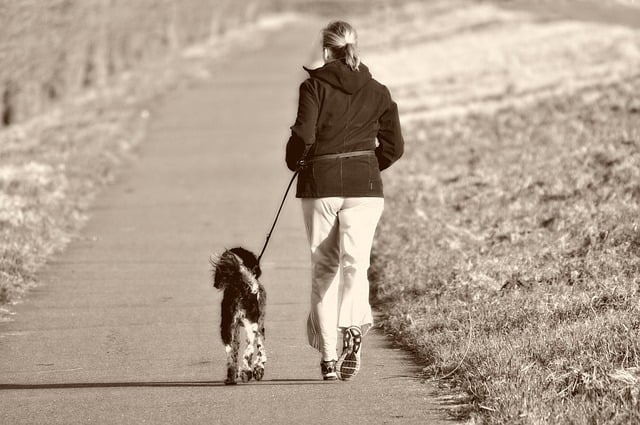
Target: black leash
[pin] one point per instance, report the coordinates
(278, 214)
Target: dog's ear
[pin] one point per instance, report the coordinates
(223, 268)
(214, 260)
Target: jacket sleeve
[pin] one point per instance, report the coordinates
(390, 142)
(303, 132)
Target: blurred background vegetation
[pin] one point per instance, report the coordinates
(50, 50)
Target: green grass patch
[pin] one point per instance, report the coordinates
(508, 257)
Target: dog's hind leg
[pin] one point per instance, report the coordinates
(247, 359)
(261, 357)
(230, 333)
(232, 359)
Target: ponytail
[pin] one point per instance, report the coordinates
(342, 40)
(351, 57)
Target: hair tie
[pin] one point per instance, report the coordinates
(349, 38)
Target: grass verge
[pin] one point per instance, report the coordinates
(508, 258)
(52, 166)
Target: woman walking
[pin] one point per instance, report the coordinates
(342, 111)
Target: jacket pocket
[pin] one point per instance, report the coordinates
(375, 179)
(356, 174)
(327, 177)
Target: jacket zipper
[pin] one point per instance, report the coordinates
(346, 127)
(344, 141)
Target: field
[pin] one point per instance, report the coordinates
(508, 257)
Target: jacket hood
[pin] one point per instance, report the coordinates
(338, 74)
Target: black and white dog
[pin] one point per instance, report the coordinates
(236, 272)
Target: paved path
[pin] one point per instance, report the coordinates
(125, 327)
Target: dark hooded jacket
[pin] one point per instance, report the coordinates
(339, 111)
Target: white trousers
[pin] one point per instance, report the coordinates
(340, 232)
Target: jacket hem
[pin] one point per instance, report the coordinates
(342, 195)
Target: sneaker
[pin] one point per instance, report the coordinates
(349, 362)
(328, 370)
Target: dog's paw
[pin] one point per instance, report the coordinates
(245, 375)
(231, 377)
(258, 373)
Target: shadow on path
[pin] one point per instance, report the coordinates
(154, 384)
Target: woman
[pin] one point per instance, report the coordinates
(342, 110)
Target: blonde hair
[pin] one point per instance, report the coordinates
(342, 41)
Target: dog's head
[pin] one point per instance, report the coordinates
(227, 265)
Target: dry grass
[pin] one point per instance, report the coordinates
(53, 50)
(450, 58)
(526, 221)
(508, 257)
(52, 166)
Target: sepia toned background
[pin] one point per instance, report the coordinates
(508, 258)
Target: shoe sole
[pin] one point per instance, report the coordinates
(348, 364)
